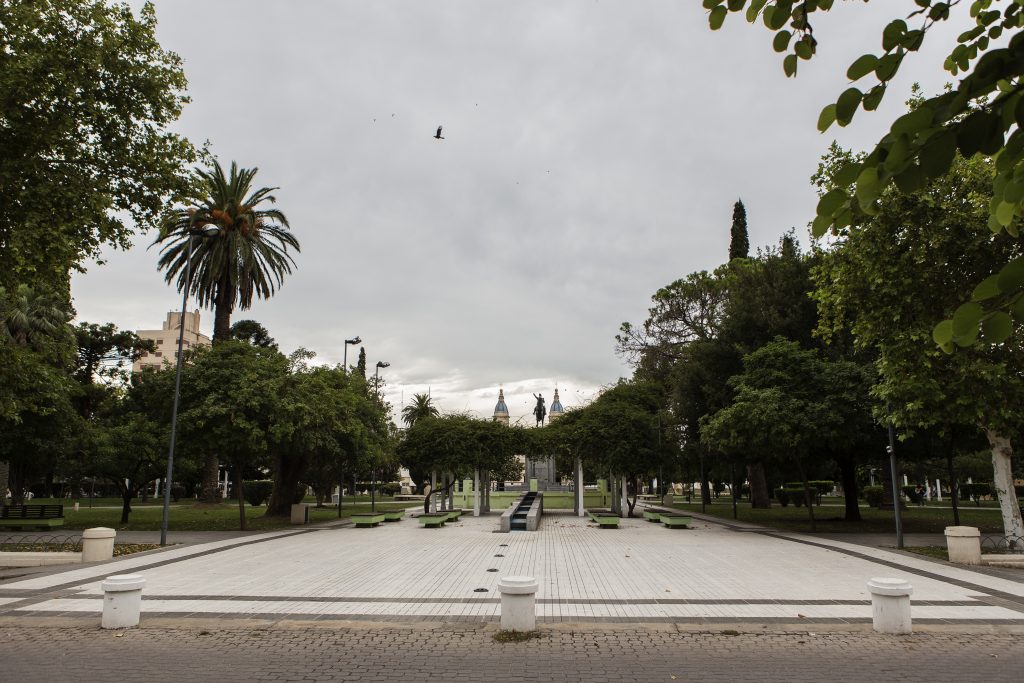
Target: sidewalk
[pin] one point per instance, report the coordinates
(640, 573)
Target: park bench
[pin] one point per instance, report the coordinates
(41, 516)
(652, 515)
(433, 520)
(394, 515)
(368, 519)
(675, 520)
(606, 519)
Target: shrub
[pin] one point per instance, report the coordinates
(975, 491)
(819, 487)
(796, 495)
(177, 492)
(390, 488)
(874, 495)
(782, 495)
(258, 491)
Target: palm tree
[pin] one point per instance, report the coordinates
(27, 314)
(422, 406)
(248, 257)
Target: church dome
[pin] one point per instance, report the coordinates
(556, 406)
(501, 410)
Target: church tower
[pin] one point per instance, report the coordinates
(556, 408)
(501, 410)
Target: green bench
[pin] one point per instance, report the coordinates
(652, 516)
(369, 519)
(40, 516)
(394, 515)
(454, 515)
(676, 521)
(606, 519)
(433, 520)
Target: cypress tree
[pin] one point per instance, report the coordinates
(361, 365)
(739, 244)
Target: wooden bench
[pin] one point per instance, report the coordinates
(675, 520)
(434, 520)
(394, 515)
(652, 516)
(606, 519)
(368, 519)
(41, 516)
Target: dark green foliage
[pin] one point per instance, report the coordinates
(258, 491)
(87, 96)
(361, 363)
(874, 495)
(251, 332)
(739, 242)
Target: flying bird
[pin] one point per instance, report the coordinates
(438, 135)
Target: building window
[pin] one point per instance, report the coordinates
(158, 354)
(159, 342)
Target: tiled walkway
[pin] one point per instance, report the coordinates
(641, 572)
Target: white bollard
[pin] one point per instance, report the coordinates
(122, 600)
(98, 544)
(518, 612)
(890, 605)
(963, 543)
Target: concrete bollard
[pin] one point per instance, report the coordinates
(963, 543)
(518, 612)
(122, 600)
(890, 605)
(300, 513)
(98, 544)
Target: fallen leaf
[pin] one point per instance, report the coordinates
(118, 635)
(801, 616)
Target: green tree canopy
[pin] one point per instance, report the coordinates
(981, 114)
(86, 96)
(247, 258)
(739, 242)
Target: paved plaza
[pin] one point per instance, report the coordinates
(640, 573)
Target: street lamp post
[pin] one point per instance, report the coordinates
(349, 342)
(207, 231)
(373, 475)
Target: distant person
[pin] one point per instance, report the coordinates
(426, 496)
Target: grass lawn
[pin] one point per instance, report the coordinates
(829, 516)
(186, 516)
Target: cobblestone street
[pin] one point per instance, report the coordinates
(469, 653)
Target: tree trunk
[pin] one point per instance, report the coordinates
(241, 497)
(1002, 481)
(759, 495)
(287, 472)
(632, 503)
(848, 478)
(954, 486)
(126, 504)
(808, 499)
(210, 491)
(705, 490)
(223, 305)
(16, 477)
(48, 485)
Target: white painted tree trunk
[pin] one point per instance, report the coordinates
(433, 491)
(580, 509)
(476, 492)
(1002, 481)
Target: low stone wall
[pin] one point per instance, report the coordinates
(38, 559)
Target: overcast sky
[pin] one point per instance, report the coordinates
(593, 152)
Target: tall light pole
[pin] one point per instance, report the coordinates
(373, 473)
(205, 231)
(376, 375)
(350, 342)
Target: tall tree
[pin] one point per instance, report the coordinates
(361, 364)
(739, 242)
(979, 114)
(248, 257)
(86, 97)
(888, 279)
(251, 332)
(421, 407)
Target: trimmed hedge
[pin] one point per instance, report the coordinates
(874, 495)
(257, 491)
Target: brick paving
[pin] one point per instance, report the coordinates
(469, 653)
